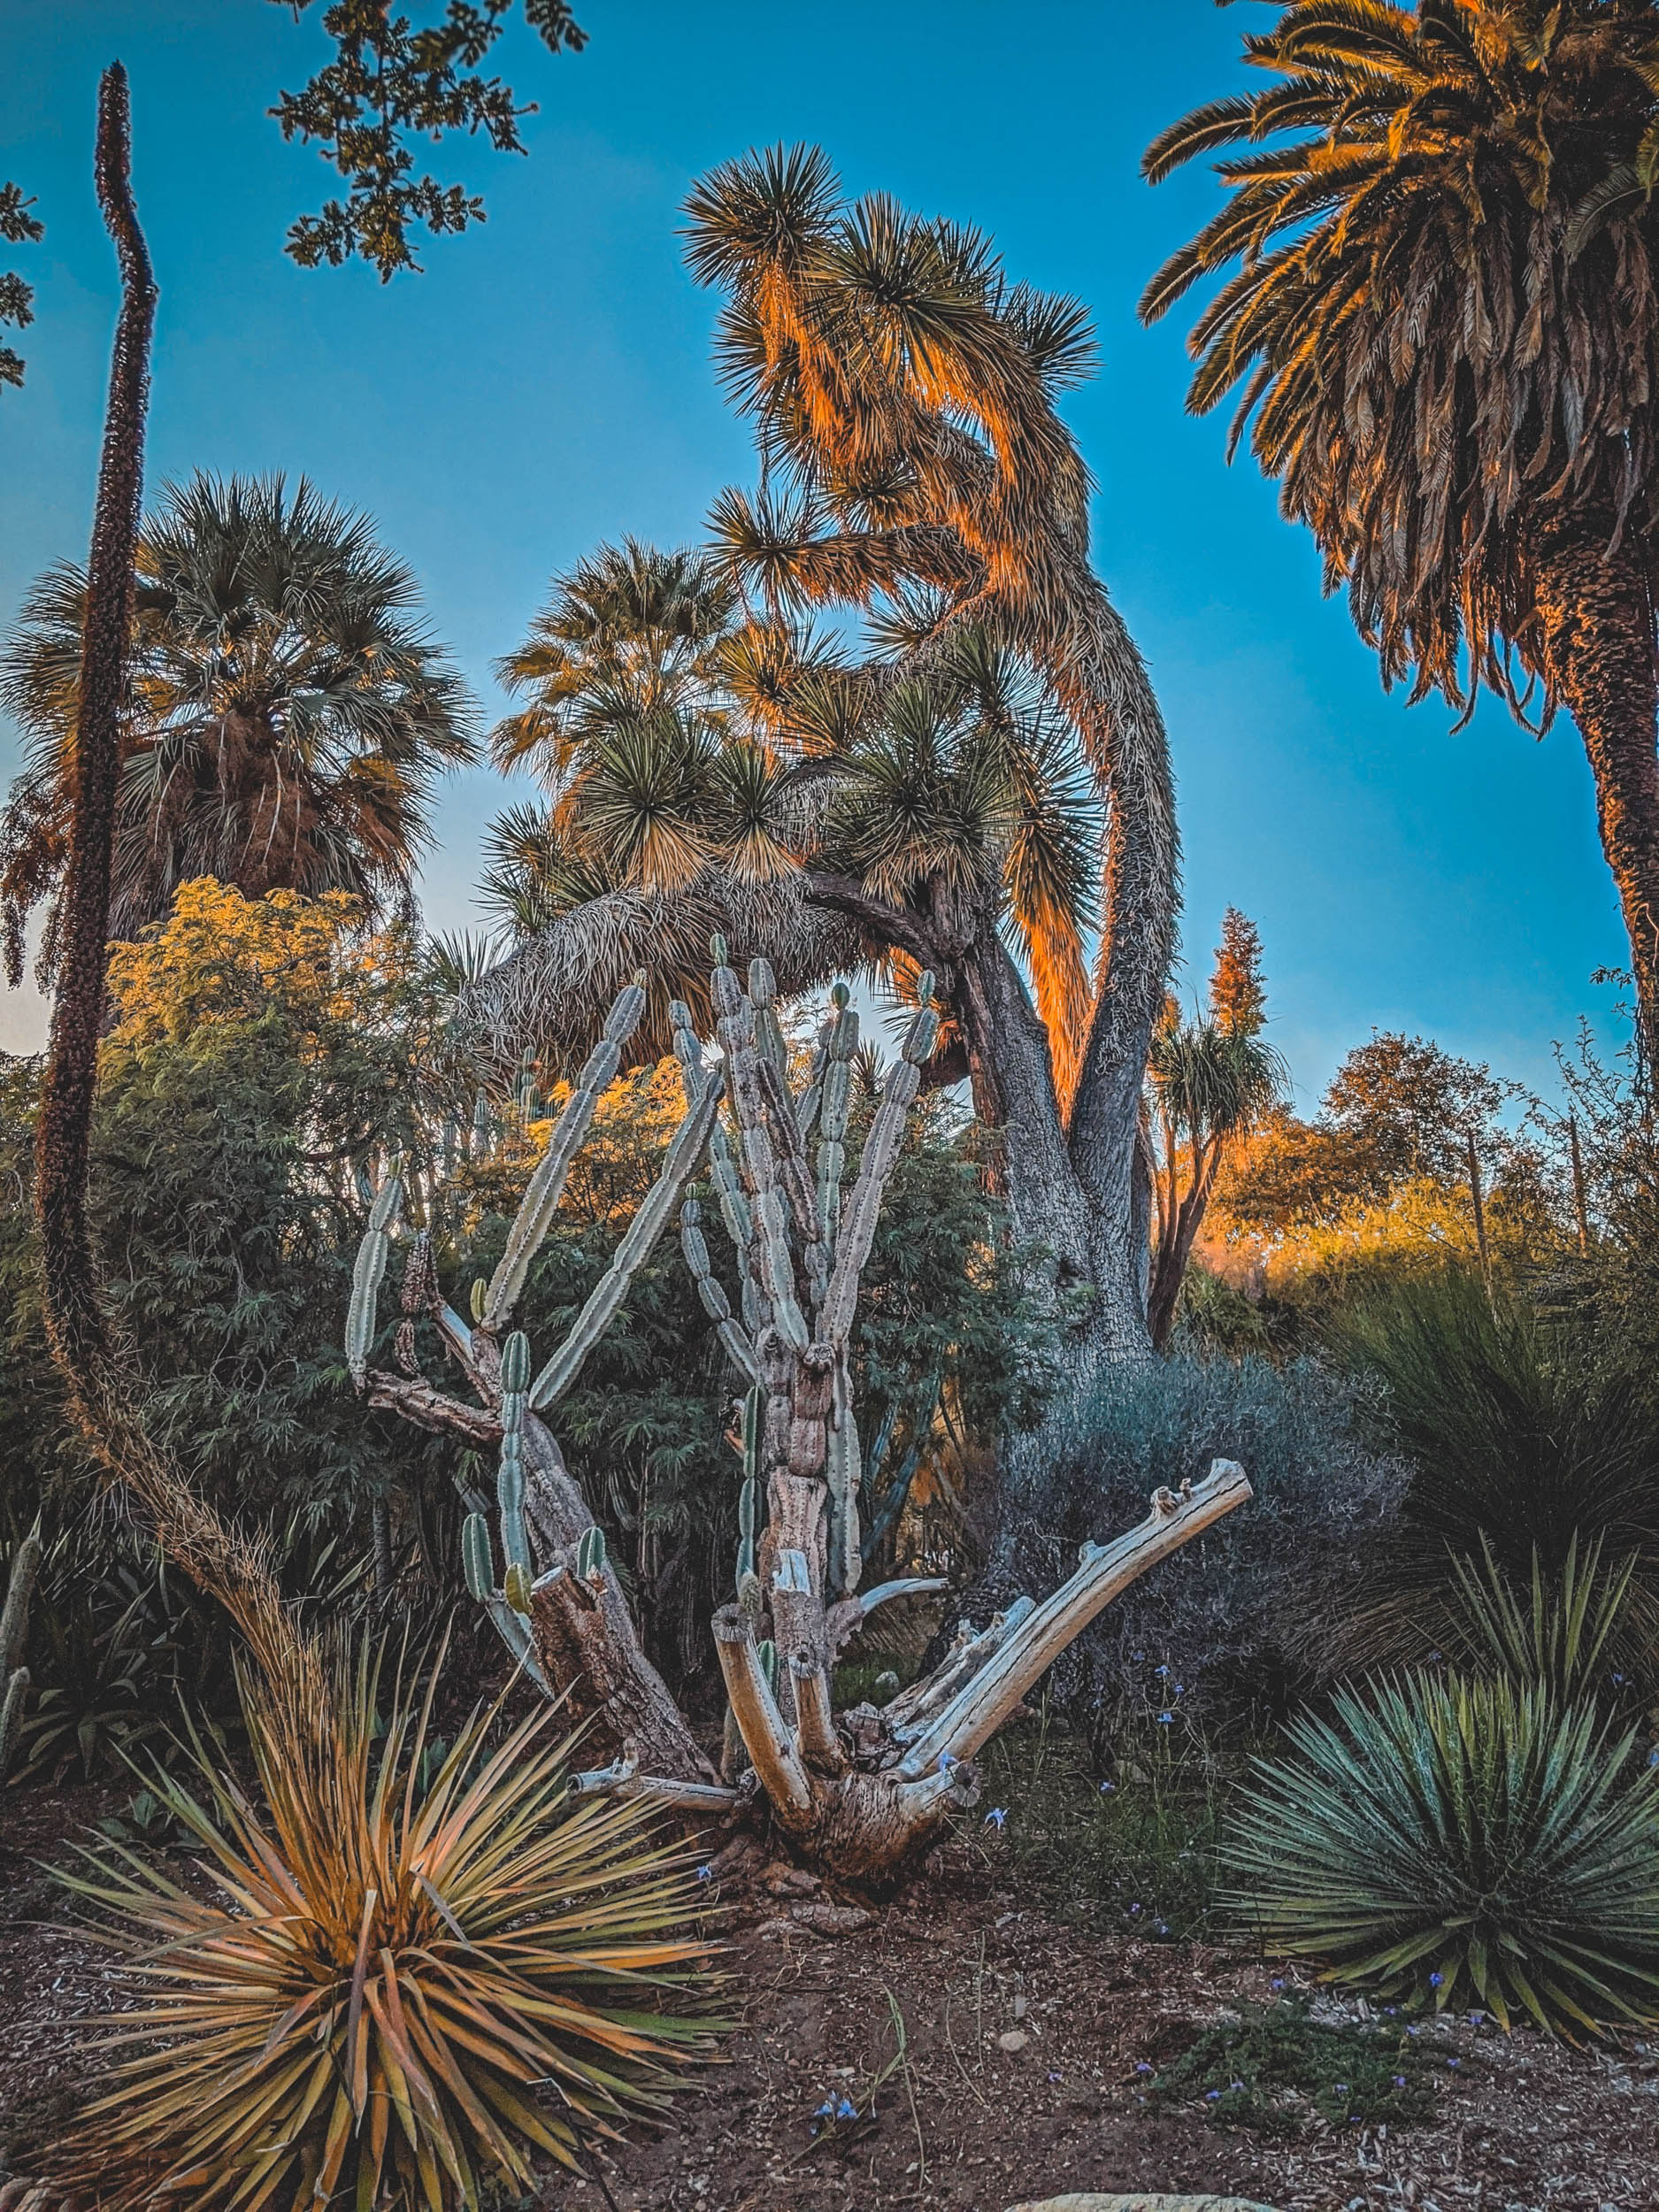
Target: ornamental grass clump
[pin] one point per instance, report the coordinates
(1452, 1842)
(414, 1970)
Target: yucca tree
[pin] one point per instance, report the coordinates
(1208, 1082)
(917, 468)
(284, 718)
(1442, 320)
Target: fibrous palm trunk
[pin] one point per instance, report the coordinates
(1596, 611)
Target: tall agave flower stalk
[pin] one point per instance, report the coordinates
(857, 1791)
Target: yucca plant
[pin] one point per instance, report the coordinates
(404, 1981)
(1560, 1631)
(1447, 1841)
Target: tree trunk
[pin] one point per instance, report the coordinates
(1596, 610)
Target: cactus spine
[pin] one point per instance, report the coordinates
(14, 1630)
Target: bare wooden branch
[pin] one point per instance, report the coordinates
(622, 1779)
(979, 1710)
(765, 1738)
(845, 1619)
(429, 1407)
(814, 1728)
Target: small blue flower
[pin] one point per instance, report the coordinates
(1053, 2077)
(1106, 1788)
(705, 1873)
(995, 1817)
(1135, 1908)
(1619, 1679)
(1181, 1689)
(1399, 2081)
(1357, 2119)
(1210, 2095)
(1164, 1719)
(1276, 1984)
(1235, 2084)
(1411, 2030)
(1653, 1757)
(1163, 1927)
(947, 1760)
(1141, 2067)
(1435, 1980)
(1453, 2061)
(1160, 1672)
(1475, 2019)
(1433, 1657)
(846, 2109)
(824, 2109)
(1341, 2087)
(1137, 1656)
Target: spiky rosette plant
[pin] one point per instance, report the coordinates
(1449, 1842)
(401, 1982)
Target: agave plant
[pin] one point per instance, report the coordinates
(416, 1969)
(1457, 1842)
(1563, 1631)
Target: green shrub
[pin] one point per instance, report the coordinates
(1447, 1841)
(1276, 2070)
(1563, 1633)
(389, 1966)
(1250, 1616)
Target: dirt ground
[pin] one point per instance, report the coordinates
(1000, 2051)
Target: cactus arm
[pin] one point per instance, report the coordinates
(843, 1471)
(546, 1185)
(14, 1621)
(365, 1279)
(839, 1042)
(685, 1150)
(881, 1149)
(736, 1022)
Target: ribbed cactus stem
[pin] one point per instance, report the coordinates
(362, 1308)
(546, 1185)
(15, 1619)
(858, 1223)
(685, 1150)
(14, 1634)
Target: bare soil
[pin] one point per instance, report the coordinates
(999, 2048)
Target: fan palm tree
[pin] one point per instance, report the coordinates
(916, 465)
(628, 633)
(284, 719)
(1443, 325)
(1209, 1083)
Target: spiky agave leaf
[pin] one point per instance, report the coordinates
(1451, 1842)
(401, 1982)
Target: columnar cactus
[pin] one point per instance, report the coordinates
(856, 1794)
(15, 1632)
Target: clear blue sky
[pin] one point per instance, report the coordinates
(547, 384)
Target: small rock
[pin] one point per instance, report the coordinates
(790, 1881)
(1012, 2039)
(831, 1920)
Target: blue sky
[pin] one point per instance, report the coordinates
(547, 384)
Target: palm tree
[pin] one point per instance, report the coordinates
(1209, 1083)
(284, 717)
(626, 632)
(1444, 326)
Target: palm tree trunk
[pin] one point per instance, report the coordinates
(1595, 605)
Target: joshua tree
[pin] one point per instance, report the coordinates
(854, 1792)
(917, 468)
(1209, 1083)
(1444, 321)
(283, 715)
